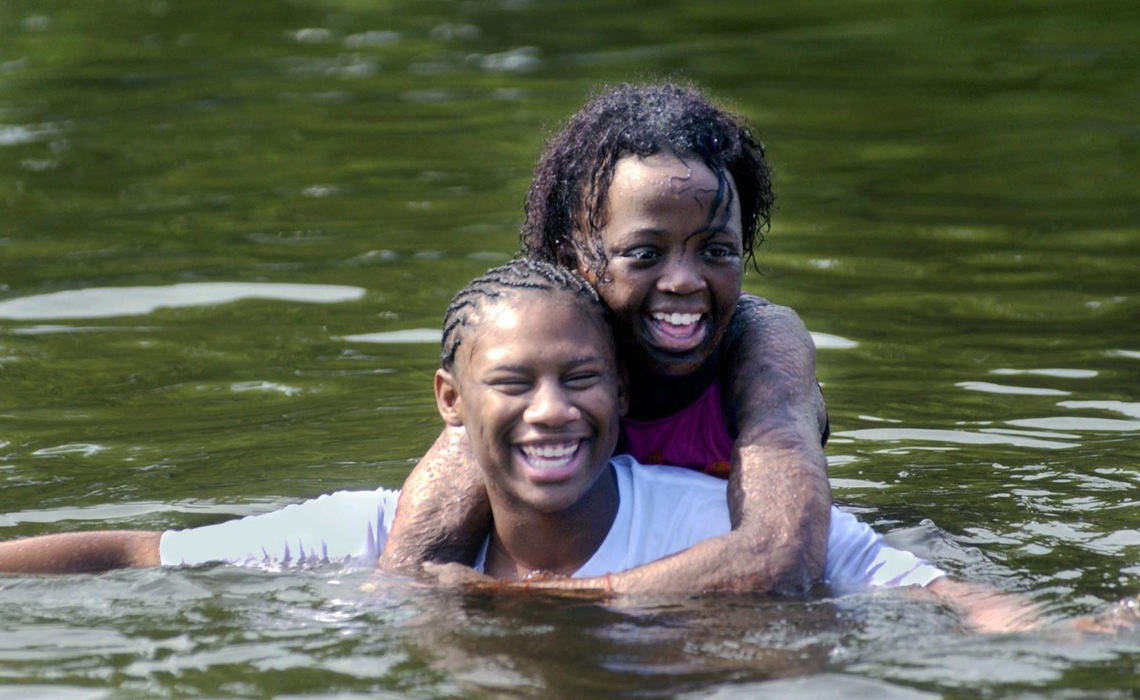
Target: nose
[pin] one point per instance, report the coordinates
(551, 406)
(681, 276)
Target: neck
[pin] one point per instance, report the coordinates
(525, 541)
(655, 395)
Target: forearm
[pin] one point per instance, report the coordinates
(779, 494)
(771, 551)
(780, 500)
(732, 563)
(780, 506)
(443, 513)
(80, 552)
(985, 609)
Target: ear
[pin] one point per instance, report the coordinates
(583, 257)
(447, 398)
(587, 272)
(623, 390)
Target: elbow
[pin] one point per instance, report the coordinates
(796, 570)
(787, 562)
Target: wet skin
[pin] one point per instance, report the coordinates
(672, 277)
(537, 389)
(673, 263)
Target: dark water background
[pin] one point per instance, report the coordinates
(957, 222)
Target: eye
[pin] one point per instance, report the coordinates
(641, 254)
(721, 250)
(512, 386)
(583, 379)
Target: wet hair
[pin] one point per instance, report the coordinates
(568, 195)
(512, 278)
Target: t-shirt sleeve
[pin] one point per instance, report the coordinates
(857, 559)
(347, 527)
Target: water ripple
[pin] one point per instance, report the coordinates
(1128, 409)
(827, 341)
(410, 335)
(1049, 372)
(104, 302)
(991, 388)
(1078, 423)
(12, 134)
(962, 437)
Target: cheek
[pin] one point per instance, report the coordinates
(605, 403)
(610, 297)
(729, 285)
(620, 295)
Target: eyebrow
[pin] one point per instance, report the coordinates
(708, 231)
(575, 362)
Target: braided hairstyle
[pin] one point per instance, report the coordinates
(566, 204)
(514, 277)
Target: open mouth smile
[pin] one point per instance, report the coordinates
(551, 461)
(676, 331)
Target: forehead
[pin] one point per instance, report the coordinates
(664, 180)
(533, 323)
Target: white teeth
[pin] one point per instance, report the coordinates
(676, 319)
(548, 455)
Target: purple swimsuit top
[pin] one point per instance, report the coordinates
(695, 437)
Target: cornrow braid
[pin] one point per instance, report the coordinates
(518, 275)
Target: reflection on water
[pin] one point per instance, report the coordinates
(964, 437)
(412, 335)
(992, 388)
(107, 302)
(956, 224)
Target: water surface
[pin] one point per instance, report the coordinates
(228, 232)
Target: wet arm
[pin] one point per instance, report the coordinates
(984, 609)
(779, 496)
(80, 552)
(443, 514)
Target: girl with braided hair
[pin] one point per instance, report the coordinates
(658, 198)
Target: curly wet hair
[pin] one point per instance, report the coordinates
(568, 195)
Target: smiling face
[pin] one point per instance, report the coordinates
(537, 388)
(673, 262)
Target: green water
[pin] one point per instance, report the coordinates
(957, 220)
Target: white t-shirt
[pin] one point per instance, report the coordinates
(664, 510)
(347, 527)
(661, 511)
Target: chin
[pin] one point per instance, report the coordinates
(667, 366)
(554, 504)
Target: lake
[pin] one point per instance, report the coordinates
(228, 232)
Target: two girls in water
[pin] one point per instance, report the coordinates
(658, 198)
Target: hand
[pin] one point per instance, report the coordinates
(536, 583)
(1122, 616)
(985, 609)
(455, 575)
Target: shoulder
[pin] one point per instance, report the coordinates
(758, 319)
(665, 482)
(768, 363)
(675, 507)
